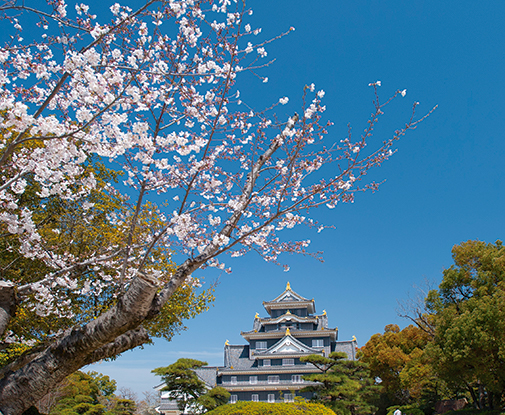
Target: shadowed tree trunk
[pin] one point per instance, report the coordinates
(112, 333)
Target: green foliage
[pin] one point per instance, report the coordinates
(263, 408)
(84, 393)
(398, 359)
(123, 407)
(345, 386)
(469, 307)
(324, 363)
(83, 229)
(90, 393)
(187, 388)
(12, 352)
(182, 382)
(215, 397)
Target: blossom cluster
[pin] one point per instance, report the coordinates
(155, 95)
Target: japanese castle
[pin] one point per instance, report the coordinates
(268, 368)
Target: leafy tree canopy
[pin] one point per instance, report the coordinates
(397, 358)
(215, 397)
(188, 389)
(80, 229)
(345, 386)
(82, 393)
(182, 382)
(469, 316)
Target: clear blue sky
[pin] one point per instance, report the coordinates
(444, 186)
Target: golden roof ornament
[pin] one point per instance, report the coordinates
(288, 312)
(226, 343)
(288, 333)
(257, 315)
(354, 339)
(288, 287)
(324, 312)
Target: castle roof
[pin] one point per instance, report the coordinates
(288, 316)
(290, 299)
(256, 335)
(287, 347)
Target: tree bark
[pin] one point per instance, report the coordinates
(7, 303)
(111, 333)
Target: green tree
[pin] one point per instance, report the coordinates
(397, 357)
(188, 389)
(469, 310)
(85, 394)
(213, 398)
(82, 229)
(344, 385)
(123, 407)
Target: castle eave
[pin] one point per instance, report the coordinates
(283, 355)
(273, 370)
(276, 334)
(272, 387)
(291, 305)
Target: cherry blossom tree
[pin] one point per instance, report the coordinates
(153, 94)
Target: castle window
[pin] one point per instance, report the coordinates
(233, 380)
(296, 379)
(253, 380)
(255, 397)
(261, 345)
(288, 397)
(271, 397)
(317, 342)
(266, 362)
(288, 362)
(233, 398)
(273, 379)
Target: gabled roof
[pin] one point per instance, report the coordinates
(290, 299)
(287, 346)
(273, 334)
(207, 375)
(237, 356)
(289, 295)
(288, 318)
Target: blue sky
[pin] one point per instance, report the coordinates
(444, 185)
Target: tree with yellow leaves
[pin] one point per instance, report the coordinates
(81, 230)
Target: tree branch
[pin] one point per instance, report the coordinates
(8, 303)
(126, 341)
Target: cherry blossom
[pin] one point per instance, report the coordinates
(153, 93)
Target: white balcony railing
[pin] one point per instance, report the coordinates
(262, 383)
